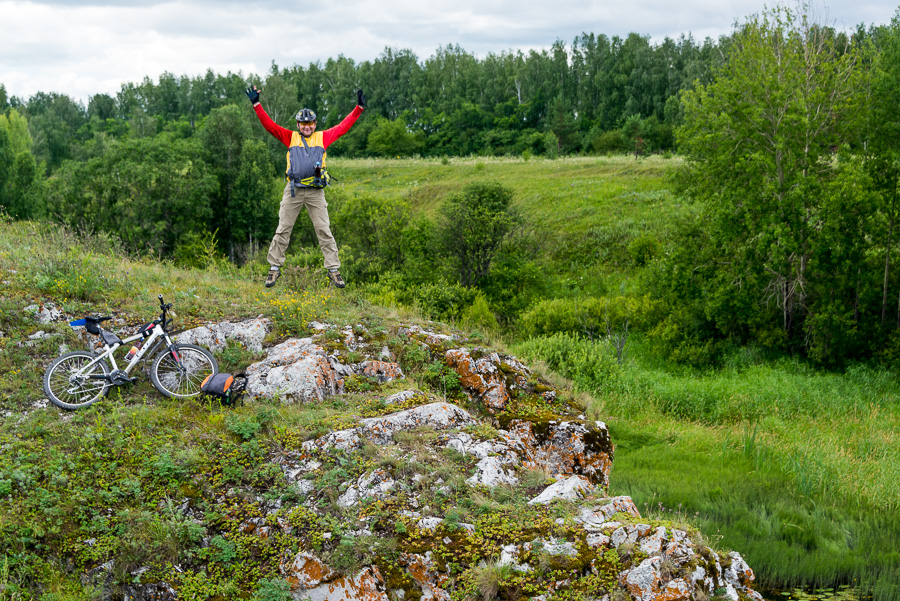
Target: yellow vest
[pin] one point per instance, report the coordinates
(302, 159)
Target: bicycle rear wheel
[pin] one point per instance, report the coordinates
(69, 386)
(179, 370)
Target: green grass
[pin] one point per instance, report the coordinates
(740, 495)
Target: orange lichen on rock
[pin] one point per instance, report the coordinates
(483, 379)
(428, 580)
(307, 571)
(383, 371)
(567, 447)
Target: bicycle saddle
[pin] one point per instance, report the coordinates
(90, 323)
(98, 319)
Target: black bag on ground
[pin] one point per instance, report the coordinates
(228, 388)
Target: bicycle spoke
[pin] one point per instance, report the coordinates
(69, 384)
(183, 377)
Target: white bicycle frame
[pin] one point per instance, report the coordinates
(149, 344)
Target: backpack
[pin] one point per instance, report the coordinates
(227, 388)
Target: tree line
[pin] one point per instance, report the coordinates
(452, 103)
(793, 155)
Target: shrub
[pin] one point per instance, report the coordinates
(593, 317)
(479, 315)
(440, 300)
(272, 589)
(609, 142)
(591, 365)
(644, 249)
(472, 227)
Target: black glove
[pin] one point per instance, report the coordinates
(253, 94)
(360, 98)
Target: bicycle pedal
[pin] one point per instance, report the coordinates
(119, 377)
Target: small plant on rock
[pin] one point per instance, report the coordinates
(489, 577)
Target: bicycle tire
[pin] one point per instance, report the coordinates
(182, 377)
(68, 392)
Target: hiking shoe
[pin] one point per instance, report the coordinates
(271, 277)
(335, 276)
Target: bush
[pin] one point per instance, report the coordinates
(441, 300)
(609, 142)
(391, 139)
(644, 249)
(591, 365)
(593, 317)
(479, 315)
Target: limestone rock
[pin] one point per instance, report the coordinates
(381, 370)
(569, 489)
(645, 583)
(424, 336)
(306, 570)
(299, 370)
(489, 379)
(594, 518)
(45, 313)
(376, 484)
(428, 579)
(367, 585)
(439, 416)
(402, 397)
(250, 334)
(565, 447)
(491, 473)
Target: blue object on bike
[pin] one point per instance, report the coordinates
(78, 322)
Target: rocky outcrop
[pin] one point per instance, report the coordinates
(489, 379)
(300, 369)
(249, 334)
(386, 493)
(45, 313)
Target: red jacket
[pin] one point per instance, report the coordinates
(329, 135)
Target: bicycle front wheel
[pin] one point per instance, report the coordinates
(70, 386)
(179, 370)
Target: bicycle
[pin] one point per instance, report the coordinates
(80, 378)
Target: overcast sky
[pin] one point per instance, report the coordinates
(84, 47)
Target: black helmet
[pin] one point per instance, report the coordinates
(306, 115)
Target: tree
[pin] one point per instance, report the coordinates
(19, 177)
(760, 143)
(562, 124)
(391, 139)
(223, 134)
(472, 227)
(153, 193)
(884, 159)
(53, 120)
(253, 206)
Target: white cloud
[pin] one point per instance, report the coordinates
(83, 47)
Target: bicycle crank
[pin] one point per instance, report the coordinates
(119, 377)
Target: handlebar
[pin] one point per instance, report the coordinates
(163, 306)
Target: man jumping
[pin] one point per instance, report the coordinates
(306, 180)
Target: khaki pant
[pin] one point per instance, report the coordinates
(314, 201)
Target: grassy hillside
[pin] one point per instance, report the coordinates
(583, 210)
(795, 468)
